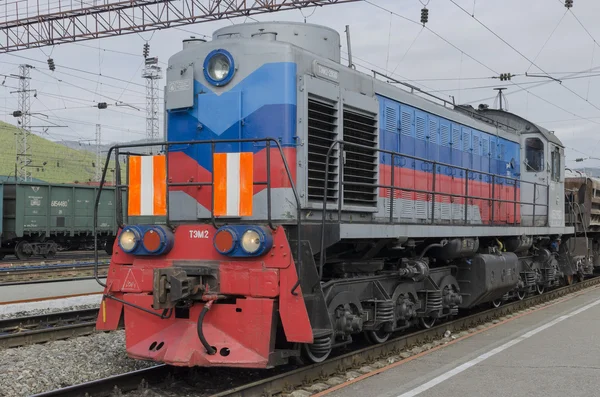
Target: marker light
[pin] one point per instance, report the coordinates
(219, 67)
(152, 240)
(128, 240)
(225, 241)
(157, 240)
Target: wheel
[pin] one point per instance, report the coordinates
(521, 294)
(318, 351)
(51, 249)
(23, 250)
(496, 303)
(539, 289)
(377, 337)
(427, 322)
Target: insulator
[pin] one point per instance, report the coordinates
(146, 50)
(51, 65)
(568, 3)
(17, 113)
(102, 105)
(424, 15)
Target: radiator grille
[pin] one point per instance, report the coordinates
(360, 163)
(322, 131)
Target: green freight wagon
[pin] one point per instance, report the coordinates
(40, 218)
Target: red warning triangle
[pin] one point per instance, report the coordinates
(130, 284)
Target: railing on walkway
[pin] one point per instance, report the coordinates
(496, 181)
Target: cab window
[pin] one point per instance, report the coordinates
(556, 164)
(534, 155)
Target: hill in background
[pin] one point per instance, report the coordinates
(50, 161)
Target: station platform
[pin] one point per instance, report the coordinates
(48, 290)
(551, 352)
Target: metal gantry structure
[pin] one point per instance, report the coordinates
(79, 20)
(23, 157)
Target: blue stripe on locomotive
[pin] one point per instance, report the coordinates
(262, 105)
(407, 130)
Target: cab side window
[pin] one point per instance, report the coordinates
(556, 164)
(534, 155)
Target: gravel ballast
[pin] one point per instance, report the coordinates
(38, 368)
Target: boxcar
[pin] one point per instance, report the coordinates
(40, 218)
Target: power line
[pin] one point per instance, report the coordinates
(548, 39)
(520, 53)
(478, 61)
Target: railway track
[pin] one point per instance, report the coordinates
(287, 380)
(63, 256)
(53, 271)
(28, 330)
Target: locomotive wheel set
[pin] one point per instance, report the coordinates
(300, 204)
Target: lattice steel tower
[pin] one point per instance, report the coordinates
(152, 73)
(23, 157)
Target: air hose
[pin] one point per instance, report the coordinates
(209, 349)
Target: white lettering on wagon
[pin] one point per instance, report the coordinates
(59, 203)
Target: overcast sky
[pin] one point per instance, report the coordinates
(541, 30)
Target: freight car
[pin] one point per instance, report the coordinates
(301, 204)
(38, 219)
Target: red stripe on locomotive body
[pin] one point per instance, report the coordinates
(244, 327)
(184, 169)
(188, 170)
(480, 190)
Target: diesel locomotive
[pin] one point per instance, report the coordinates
(297, 204)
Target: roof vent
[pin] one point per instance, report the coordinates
(192, 41)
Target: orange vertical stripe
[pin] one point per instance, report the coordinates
(135, 186)
(246, 183)
(220, 185)
(159, 164)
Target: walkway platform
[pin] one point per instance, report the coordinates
(551, 352)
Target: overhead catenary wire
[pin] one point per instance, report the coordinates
(521, 54)
(477, 60)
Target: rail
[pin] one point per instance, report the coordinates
(430, 194)
(43, 328)
(269, 143)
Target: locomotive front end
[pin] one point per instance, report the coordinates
(203, 273)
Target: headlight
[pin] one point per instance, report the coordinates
(128, 240)
(251, 241)
(219, 67)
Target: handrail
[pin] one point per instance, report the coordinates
(167, 145)
(494, 179)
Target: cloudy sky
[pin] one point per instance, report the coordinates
(455, 55)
